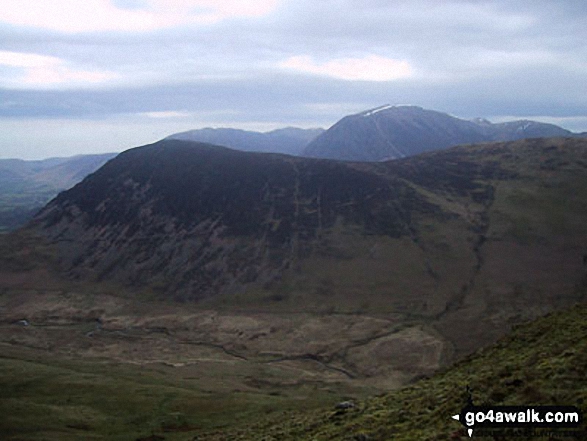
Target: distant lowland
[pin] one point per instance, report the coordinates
(187, 290)
(26, 186)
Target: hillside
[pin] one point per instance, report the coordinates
(539, 363)
(487, 235)
(91, 365)
(391, 132)
(290, 140)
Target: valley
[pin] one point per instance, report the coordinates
(188, 291)
(80, 363)
(26, 186)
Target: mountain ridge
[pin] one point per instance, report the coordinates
(391, 132)
(260, 282)
(288, 140)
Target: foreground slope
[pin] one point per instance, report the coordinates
(390, 132)
(540, 363)
(67, 376)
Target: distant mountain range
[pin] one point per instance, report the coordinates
(391, 132)
(290, 140)
(26, 186)
(383, 133)
(387, 132)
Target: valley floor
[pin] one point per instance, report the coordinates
(100, 366)
(78, 366)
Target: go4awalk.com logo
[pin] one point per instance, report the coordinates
(519, 417)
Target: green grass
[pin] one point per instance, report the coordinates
(49, 399)
(54, 398)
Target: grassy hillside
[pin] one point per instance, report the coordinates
(54, 398)
(88, 365)
(50, 393)
(540, 363)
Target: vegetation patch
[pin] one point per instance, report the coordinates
(540, 363)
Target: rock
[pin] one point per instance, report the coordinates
(343, 405)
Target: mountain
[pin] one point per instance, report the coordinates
(289, 140)
(467, 240)
(26, 186)
(391, 132)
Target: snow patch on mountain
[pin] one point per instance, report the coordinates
(377, 110)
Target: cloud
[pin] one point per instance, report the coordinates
(15, 59)
(43, 71)
(166, 114)
(188, 63)
(74, 16)
(368, 68)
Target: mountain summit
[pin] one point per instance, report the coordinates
(391, 132)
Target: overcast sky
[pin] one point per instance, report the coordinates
(90, 76)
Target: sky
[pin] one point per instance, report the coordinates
(94, 76)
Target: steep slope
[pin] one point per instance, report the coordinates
(218, 218)
(26, 186)
(465, 241)
(290, 140)
(390, 132)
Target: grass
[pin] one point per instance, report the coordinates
(49, 397)
(44, 396)
(541, 363)
(57, 383)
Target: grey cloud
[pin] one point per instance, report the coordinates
(432, 36)
(470, 58)
(288, 97)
